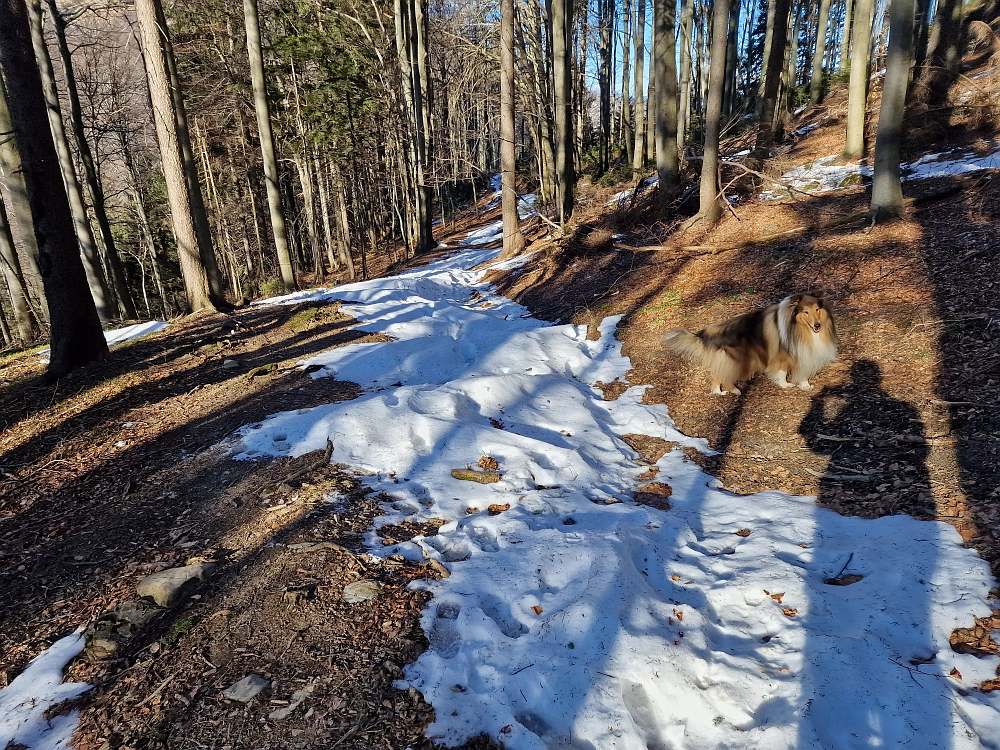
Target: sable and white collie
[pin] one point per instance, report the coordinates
(795, 338)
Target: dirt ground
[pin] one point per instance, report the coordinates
(115, 472)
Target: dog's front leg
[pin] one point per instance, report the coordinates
(781, 379)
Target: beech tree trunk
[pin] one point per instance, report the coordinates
(15, 280)
(944, 52)
(93, 182)
(816, 80)
(639, 43)
(76, 335)
(768, 123)
(20, 208)
(278, 228)
(513, 240)
(562, 24)
(193, 270)
(845, 37)
(84, 232)
(684, 119)
(772, 14)
(710, 209)
(664, 67)
(857, 95)
(887, 191)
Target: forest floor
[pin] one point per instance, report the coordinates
(117, 471)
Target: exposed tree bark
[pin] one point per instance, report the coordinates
(732, 62)
(513, 240)
(278, 229)
(768, 123)
(921, 33)
(684, 119)
(193, 270)
(816, 80)
(562, 24)
(626, 108)
(84, 233)
(887, 191)
(639, 43)
(710, 208)
(773, 12)
(90, 175)
(76, 338)
(857, 96)
(944, 52)
(15, 280)
(605, 16)
(845, 37)
(664, 68)
(20, 208)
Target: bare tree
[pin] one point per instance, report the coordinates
(664, 69)
(193, 270)
(816, 81)
(513, 240)
(639, 42)
(710, 209)
(15, 280)
(845, 37)
(562, 25)
(887, 191)
(252, 20)
(857, 93)
(84, 232)
(76, 335)
(768, 127)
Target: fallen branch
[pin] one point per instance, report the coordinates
(313, 466)
(471, 475)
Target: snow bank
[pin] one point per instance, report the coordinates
(120, 335)
(822, 176)
(578, 618)
(24, 701)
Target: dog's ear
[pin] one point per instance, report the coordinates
(795, 299)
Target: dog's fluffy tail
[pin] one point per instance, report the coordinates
(685, 343)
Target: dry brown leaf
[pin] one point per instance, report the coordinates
(675, 577)
(955, 673)
(496, 509)
(742, 532)
(776, 597)
(537, 610)
(790, 612)
(489, 463)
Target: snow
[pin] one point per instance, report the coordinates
(578, 618)
(626, 195)
(120, 335)
(823, 176)
(24, 701)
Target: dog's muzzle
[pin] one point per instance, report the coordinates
(817, 326)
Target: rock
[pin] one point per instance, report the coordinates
(246, 689)
(230, 364)
(361, 591)
(297, 698)
(168, 587)
(117, 626)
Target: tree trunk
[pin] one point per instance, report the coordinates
(944, 52)
(768, 123)
(77, 338)
(762, 91)
(278, 229)
(664, 69)
(85, 235)
(710, 209)
(562, 24)
(921, 33)
(605, 16)
(193, 270)
(845, 37)
(732, 62)
(15, 280)
(639, 43)
(887, 191)
(626, 109)
(324, 209)
(13, 179)
(790, 77)
(684, 119)
(857, 96)
(93, 182)
(816, 80)
(513, 240)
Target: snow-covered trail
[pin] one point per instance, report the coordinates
(578, 618)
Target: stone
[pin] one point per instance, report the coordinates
(117, 626)
(246, 689)
(230, 364)
(361, 591)
(168, 587)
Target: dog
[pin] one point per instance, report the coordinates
(796, 337)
